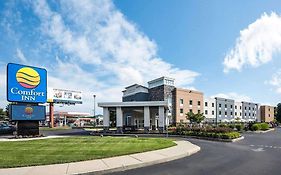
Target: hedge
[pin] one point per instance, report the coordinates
(260, 126)
(230, 135)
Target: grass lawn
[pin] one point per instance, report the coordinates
(71, 149)
(54, 128)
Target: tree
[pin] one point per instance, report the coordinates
(195, 118)
(278, 112)
(3, 114)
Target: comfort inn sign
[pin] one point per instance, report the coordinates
(26, 84)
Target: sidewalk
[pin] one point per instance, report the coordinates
(100, 166)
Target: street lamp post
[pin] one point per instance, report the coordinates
(94, 105)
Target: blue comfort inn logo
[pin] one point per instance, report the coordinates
(26, 84)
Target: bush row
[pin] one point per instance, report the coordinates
(181, 130)
(260, 126)
(218, 132)
(229, 135)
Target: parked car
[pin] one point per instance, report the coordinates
(6, 128)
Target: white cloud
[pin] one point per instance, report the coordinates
(234, 96)
(276, 81)
(104, 51)
(21, 56)
(256, 44)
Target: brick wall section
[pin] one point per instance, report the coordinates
(267, 113)
(187, 95)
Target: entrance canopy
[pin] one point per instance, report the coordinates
(137, 114)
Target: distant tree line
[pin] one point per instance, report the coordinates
(278, 113)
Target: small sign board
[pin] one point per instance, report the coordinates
(27, 112)
(64, 96)
(26, 84)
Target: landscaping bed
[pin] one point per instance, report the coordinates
(216, 133)
(72, 149)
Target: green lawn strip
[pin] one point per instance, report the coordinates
(54, 129)
(71, 149)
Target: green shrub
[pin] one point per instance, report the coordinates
(256, 127)
(222, 125)
(232, 126)
(264, 126)
(239, 127)
(229, 135)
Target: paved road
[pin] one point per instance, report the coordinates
(257, 154)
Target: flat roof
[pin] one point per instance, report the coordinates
(161, 78)
(136, 85)
(189, 90)
(134, 104)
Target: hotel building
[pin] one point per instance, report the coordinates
(225, 109)
(250, 111)
(186, 101)
(161, 104)
(266, 113)
(210, 111)
(238, 111)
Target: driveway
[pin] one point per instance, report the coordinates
(257, 154)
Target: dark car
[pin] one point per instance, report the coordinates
(6, 128)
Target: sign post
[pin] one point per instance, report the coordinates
(27, 86)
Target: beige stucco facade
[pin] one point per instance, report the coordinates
(267, 113)
(186, 100)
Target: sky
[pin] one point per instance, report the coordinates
(226, 48)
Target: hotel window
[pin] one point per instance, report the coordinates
(225, 105)
(245, 114)
(213, 104)
(213, 112)
(245, 108)
(240, 114)
(219, 112)
(249, 108)
(199, 103)
(235, 107)
(206, 112)
(231, 113)
(219, 105)
(190, 110)
(206, 104)
(198, 112)
(190, 102)
(181, 111)
(240, 107)
(231, 106)
(268, 109)
(268, 115)
(225, 113)
(181, 101)
(235, 113)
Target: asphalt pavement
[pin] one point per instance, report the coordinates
(257, 154)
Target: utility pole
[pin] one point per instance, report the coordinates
(94, 105)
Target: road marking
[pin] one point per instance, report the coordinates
(258, 149)
(265, 146)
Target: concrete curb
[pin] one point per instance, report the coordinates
(272, 129)
(113, 164)
(213, 139)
